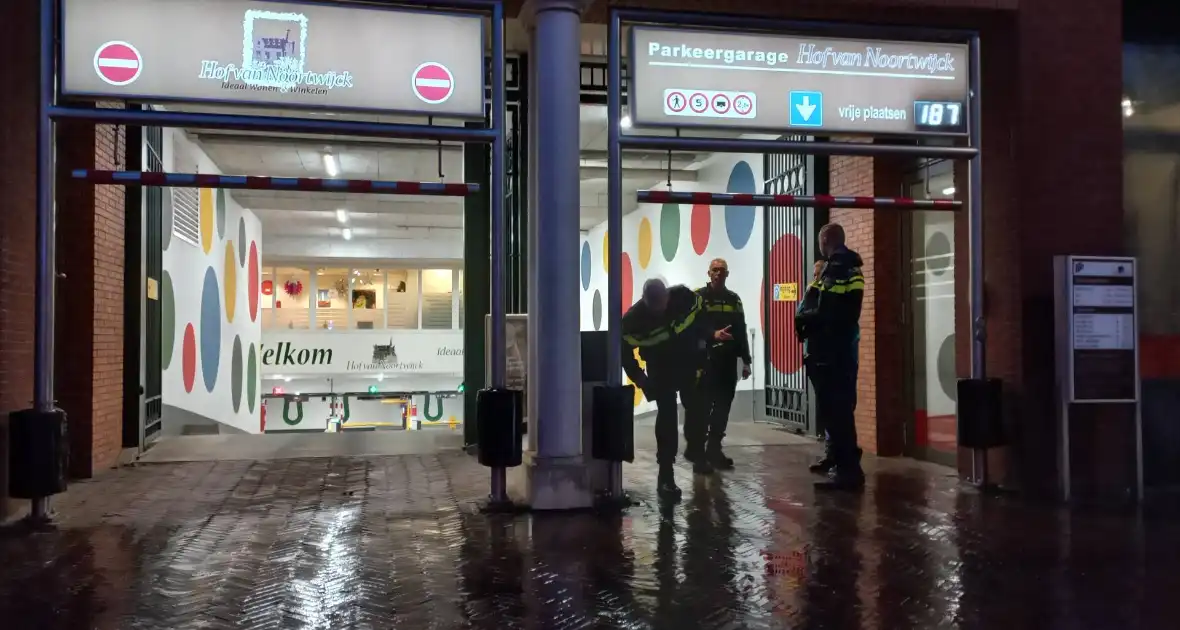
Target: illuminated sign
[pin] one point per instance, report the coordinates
(701, 78)
(277, 54)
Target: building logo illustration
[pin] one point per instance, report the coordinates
(385, 353)
(274, 58)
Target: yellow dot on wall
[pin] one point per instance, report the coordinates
(644, 243)
(605, 254)
(230, 274)
(205, 198)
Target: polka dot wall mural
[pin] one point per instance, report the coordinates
(205, 206)
(252, 377)
(584, 265)
(669, 230)
(785, 267)
(167, 321)
(252, 291)
(241, 241)
(235, 374)
(596, 310)
(700, 222)
(188, 358)
(628, 281)
(605, 253)
(739, 220)
(210, 329)
(219, 212)
(230, 282)
(644, 243)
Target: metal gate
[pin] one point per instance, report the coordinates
(153, 370)
(787, 241)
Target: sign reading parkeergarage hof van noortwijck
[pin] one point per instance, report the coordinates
(779, 82)
(278, 54)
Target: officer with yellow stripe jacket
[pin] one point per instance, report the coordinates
(723, 311)
(667, 329)
(828, 322)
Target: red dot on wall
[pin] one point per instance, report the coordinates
(188, 358)
(628, 281)
(785, 266)
(252, 281)
(700, 224)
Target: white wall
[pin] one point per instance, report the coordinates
(210, 302)
(676, 244)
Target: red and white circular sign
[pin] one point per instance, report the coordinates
(698, 102)
(743, 104)
(118, 63)
(721, 103)
(433, 83)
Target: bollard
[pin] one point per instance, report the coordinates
(498, 424)
(980, 421)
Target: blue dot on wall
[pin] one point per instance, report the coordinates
(585, 265)
(210, 329)
(739, 220)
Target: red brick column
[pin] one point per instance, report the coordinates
(89, 342)
(18, 163)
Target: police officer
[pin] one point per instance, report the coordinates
(829, 324)
(667, 328)
(723, 311)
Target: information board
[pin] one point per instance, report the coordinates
(1103, 336)
(701, 78)
(282, 54)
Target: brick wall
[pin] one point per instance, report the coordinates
(90, 297)
(18, 110)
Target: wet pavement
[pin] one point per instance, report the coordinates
(397, 542)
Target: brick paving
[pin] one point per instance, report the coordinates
(397, 542)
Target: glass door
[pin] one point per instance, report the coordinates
(929, 251)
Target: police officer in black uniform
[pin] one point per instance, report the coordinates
(668, 330)
(723, 311)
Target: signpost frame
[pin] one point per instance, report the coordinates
(49, 111)
(617, 141)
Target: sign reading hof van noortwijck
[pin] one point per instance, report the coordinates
(698, 78)
(276, 54)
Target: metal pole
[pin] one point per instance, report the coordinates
(499, 490)
(614, 206)
(614, 229)
(46, 273)
(274, 124)
(738, 145)
(975, 243)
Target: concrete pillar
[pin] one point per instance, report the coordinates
(555, 473)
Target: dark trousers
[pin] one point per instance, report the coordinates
(719, 384)
(835, 406)
(667, 427)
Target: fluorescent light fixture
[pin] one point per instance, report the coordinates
(381, 377)
(342, 215)
(948, 191)
(625, 122)
(347, 234)
(286, 379)
(330, 165)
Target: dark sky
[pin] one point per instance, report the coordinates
(1151, 20)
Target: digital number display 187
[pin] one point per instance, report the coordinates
(943, 116)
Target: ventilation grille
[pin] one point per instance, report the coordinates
(186, 215)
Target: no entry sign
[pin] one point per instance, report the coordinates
(117, 63)
(433, 83)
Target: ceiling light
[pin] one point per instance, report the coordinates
(948, 191)
(342, 215)
(381, 377)
(625, 122)
(330, 165)
(347, 234)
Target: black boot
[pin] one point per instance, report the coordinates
(823, 466)
(846, 476)
(666, 484)
(718, 459)
(702, 467)
(694, 453)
